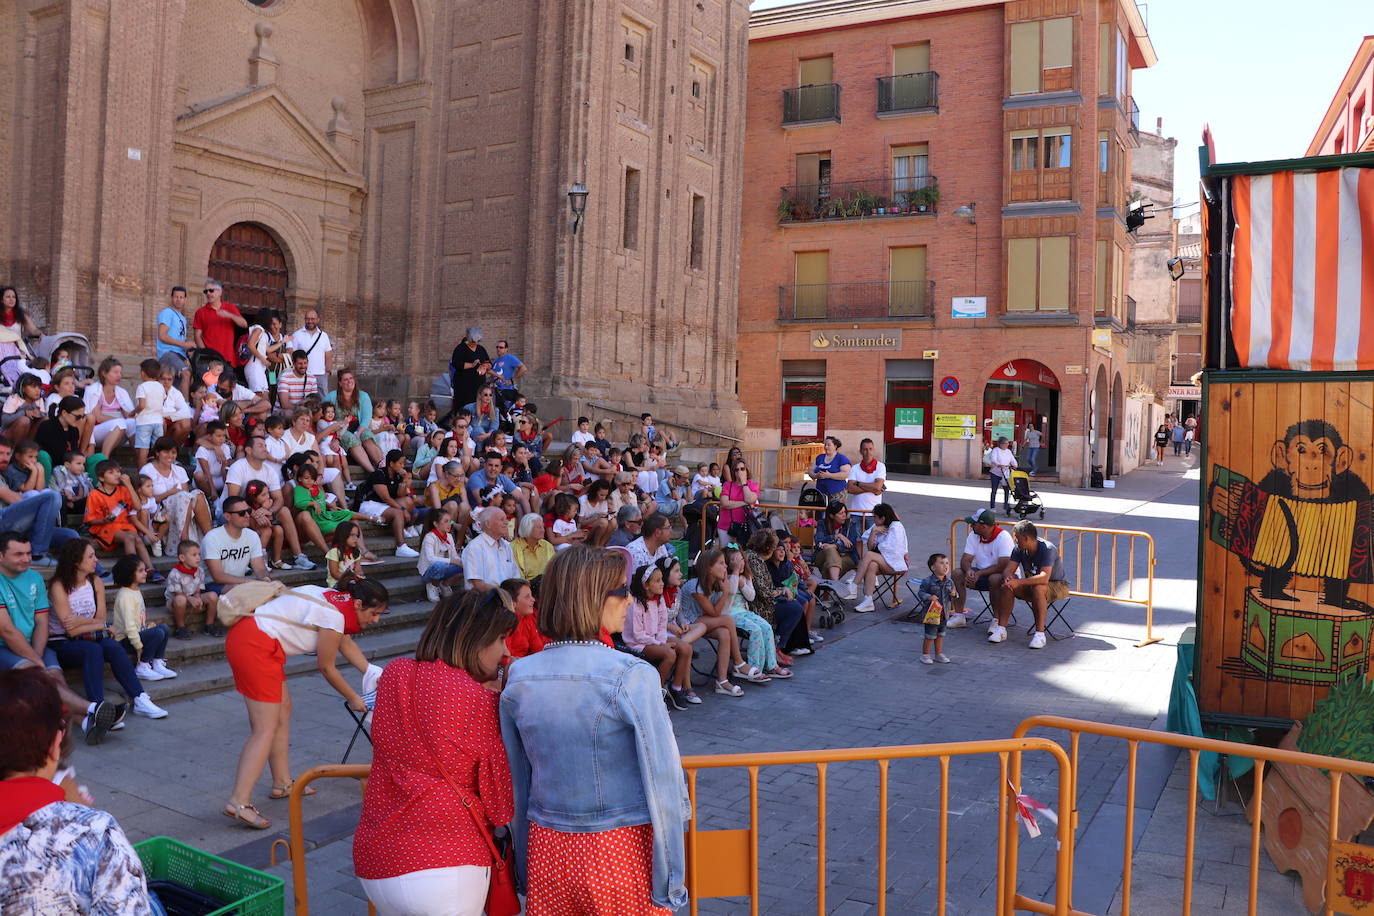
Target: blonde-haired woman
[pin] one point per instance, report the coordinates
(583, 723)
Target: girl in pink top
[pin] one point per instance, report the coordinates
(646, 631)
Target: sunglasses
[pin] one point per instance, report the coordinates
(622, 592)
(209, 291)
(78, 416)
(237, 512)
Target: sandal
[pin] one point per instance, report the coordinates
(254, 819)
(780, 673)
(750, 673)
(285, 791)
(281, 564)
(729, 689)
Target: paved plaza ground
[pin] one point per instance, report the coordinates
(864, 688)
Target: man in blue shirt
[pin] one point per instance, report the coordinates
(24, 625)
(488, 480)
(173, 343)
(507, 366)
(1042, 580)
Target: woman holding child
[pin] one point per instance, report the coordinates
(584, 723)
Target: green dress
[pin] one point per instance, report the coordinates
(328, 519)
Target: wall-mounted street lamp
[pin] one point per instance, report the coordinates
(577, 203)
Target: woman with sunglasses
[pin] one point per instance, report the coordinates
(584, 723)
(307, 619)
(437, 749)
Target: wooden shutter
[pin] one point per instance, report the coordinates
(1054, 274)
(1025, 57)
(816, 71)
(911, 59)
(907, 273)
(1021, 260)
(812, 278)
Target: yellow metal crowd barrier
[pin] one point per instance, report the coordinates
(1105, 564)
(1334, 769)
(794, 461)
(726, 862)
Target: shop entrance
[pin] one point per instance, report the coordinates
(907, 417)
(1022, 393)
(803, 401)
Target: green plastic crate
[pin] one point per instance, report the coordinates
(246, 891)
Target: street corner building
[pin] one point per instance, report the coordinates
(935, 207)
(404, 166)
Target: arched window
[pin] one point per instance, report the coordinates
(252, 266)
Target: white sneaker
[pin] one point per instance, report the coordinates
(1038, 640)
(852, 591)
(157, 548)
(927, 660)
(865, 606)
(144, 672)
(432, 592)
(406, 551)
(303, 563)
(412, 531)
(942, 658)
(144, 706)
(956, 621)
(816, 637)
(997, 634)
(160, 666)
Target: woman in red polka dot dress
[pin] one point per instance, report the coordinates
(600, 798)
(436, 746)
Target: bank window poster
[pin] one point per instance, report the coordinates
(1004, 425)
(1286, 591)
(805, 420)
(955, 425)
(908, 422)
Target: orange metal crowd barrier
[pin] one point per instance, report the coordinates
(1333, 767)
(725, 862)
(1099, 580)
(794, 461)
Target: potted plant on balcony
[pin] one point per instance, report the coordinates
(865, 203)
(924, 199)
(787, 210)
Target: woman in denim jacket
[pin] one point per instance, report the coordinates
(600, 798)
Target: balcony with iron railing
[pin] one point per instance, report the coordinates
(856, 301)
(815, 104)
(908, 92)
(1131, 112)
(868, 198)
(1186, 365)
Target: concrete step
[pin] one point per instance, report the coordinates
(201, 666)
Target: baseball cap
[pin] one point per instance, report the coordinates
(986, 517)
(681, 471)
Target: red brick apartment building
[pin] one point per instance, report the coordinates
(1348, 125)
(934, 236)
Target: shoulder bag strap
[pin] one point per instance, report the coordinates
(482, 828)
(315, 343)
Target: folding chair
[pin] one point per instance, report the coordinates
(886, 588)
(1054, 611)
(360, 721)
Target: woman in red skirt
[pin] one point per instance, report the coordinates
(600, 798)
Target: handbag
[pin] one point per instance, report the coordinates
(502, 899)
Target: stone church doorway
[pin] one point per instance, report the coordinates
(247, 259)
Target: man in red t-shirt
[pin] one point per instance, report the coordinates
(215, 323)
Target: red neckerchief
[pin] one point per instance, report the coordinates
(22, 796)
(988, 540)
(313, 491)
(869, 466)
(441, 535)
(343, 602)
(184, 570)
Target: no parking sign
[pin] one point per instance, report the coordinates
(949, 385)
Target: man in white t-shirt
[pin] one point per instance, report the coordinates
(867, 479)
(319, 350)
(232, 552)
(255, 465)
(488, 559)
(986, 550)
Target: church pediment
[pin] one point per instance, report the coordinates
(264, 124)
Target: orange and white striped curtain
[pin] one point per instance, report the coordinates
(1302, 280)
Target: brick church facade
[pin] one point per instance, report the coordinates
(403, 165)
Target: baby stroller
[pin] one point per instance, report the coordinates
(15, 353)
(1027, 501)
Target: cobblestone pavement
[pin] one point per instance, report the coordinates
(864, 688)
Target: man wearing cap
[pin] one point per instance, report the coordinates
(672, 491)
(469, 365)
(627, 526)
(986, 550)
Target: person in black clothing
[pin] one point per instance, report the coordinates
(469, 365)
(61, 433)
(387, 500)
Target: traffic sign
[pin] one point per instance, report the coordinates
(949, 385)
